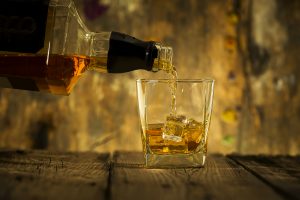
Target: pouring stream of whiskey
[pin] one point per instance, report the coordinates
(173, 87)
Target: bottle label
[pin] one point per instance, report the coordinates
(23, 25)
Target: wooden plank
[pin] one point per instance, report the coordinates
(221, 178)
(48, 175)
(281, 172)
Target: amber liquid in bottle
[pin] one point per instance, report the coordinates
(56, 74)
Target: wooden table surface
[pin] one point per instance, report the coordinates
(49, 175)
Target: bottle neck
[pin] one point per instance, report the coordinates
(115, 52)
(127, 53)
(98, 51)
(163, 61)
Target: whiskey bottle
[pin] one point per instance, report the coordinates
(45, 46)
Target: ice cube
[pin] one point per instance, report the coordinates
(193, 131)
(174, 127)
(193, 124)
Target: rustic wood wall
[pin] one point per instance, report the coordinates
(269, 48)
(250, 47)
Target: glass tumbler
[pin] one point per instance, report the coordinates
(174, 120)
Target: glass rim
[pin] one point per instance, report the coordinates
(200, 80)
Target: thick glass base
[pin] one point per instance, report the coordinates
(175, 160)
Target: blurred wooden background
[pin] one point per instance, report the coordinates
(250, 47)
